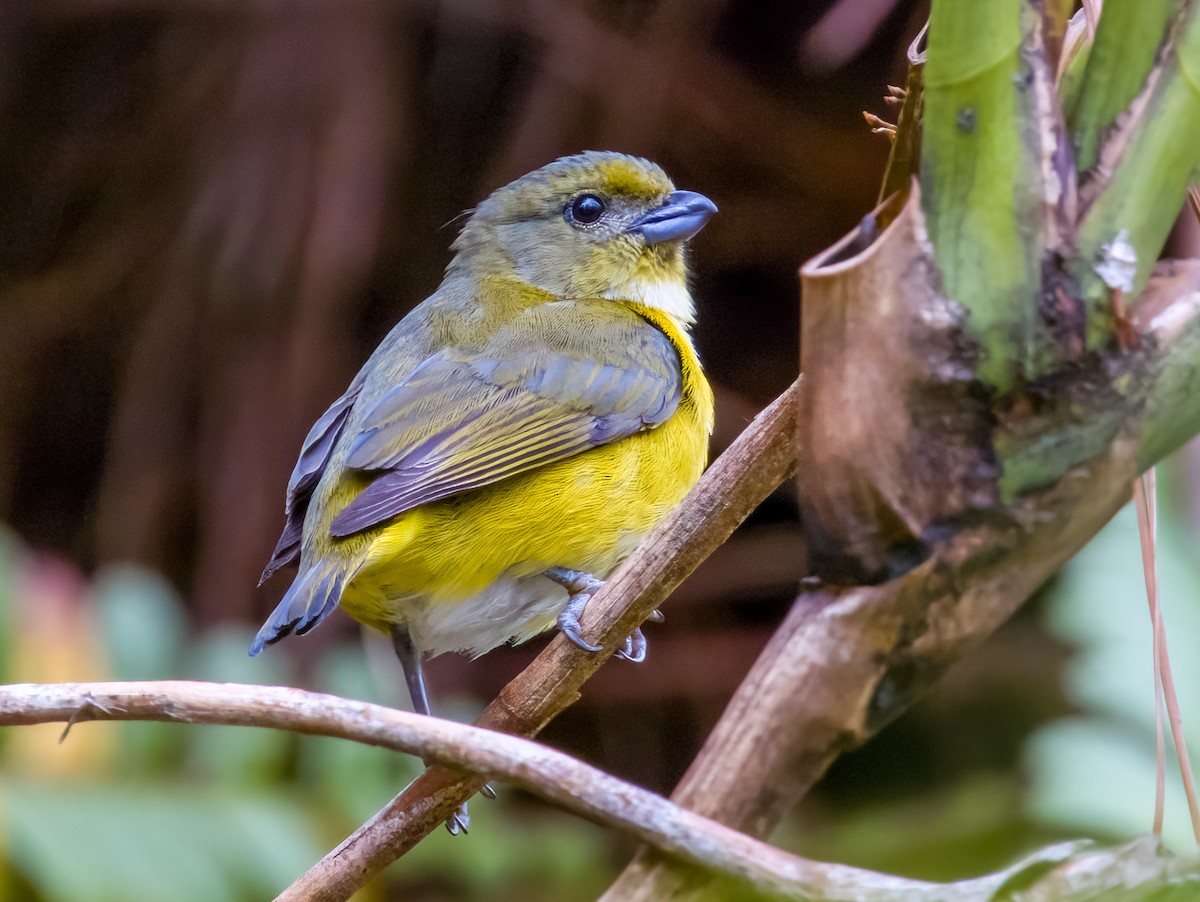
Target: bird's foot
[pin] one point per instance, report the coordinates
(582, 587)
(635, 647)
(460, 820)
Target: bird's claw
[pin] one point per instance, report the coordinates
(459, 821)
(635, 647)
(568, 622)
(582, 586)
(656, 616)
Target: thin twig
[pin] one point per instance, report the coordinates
(1164, 682)
(1175, 719)
(749, 470)
(1143, 494)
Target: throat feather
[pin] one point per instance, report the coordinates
(670, 295)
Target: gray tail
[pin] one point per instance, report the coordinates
(311, 598)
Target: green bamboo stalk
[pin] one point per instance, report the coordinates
(984, 194)
(1071, 73)
(1172, 412)
(1127, 40)
(1071, 84)
(1144, 169)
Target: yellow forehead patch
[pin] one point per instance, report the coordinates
(545, 190)
(631, 177)
(615, 174)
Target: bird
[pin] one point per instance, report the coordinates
(518, 433)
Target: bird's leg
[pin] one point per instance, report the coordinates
(414, 676)
(410, 663)
(582, 586)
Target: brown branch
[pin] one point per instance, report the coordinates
(749, 470)
(861, 655)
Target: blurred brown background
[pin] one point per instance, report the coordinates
(211, 211)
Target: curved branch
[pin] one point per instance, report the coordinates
(1062, 871)
(550, 774)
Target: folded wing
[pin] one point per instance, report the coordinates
(465, 419)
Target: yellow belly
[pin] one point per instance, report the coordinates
(585, 513)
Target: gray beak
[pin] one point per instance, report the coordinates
(682, 215)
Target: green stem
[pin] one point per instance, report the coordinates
(989, 115)
(1141, 179)
(1127, 40)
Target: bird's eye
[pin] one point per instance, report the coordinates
(586, 209)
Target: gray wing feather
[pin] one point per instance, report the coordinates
(512, 413)
(314, 457)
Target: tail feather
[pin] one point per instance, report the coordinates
(287, 549)
(309, 600)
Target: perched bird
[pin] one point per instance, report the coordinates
(518, 433)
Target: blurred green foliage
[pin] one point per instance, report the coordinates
(149, 811)
(1094, 772)
(969, 827)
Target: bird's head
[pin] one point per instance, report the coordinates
(595, 224)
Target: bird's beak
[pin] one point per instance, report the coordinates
(681, 216)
